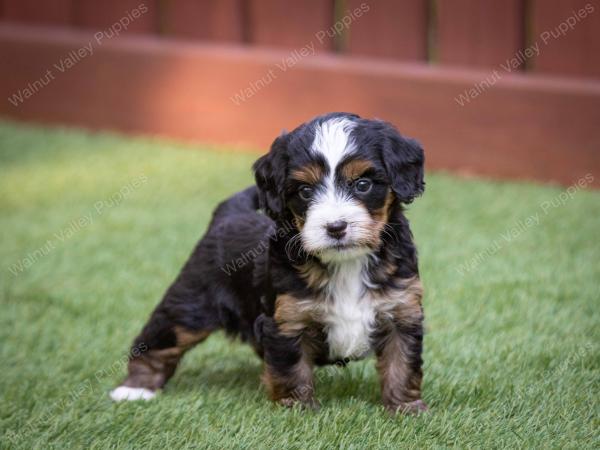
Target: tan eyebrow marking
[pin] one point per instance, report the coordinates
(311, 174)
(355, 168)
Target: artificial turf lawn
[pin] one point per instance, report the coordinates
(511, 352)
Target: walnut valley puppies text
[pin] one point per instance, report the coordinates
(519, 60)
(290, 60)
(75, 56)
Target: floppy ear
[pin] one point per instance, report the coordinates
(403, 159)
(269, 173)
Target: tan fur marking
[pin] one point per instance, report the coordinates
(298, 221)
(315, 275)
(382, 214)
(296, 387)
(380, 219)
(311, 174)
(400, 386)
(152, 369)
(402, 305)
(187, 338)
(292, 315)
(355, 168)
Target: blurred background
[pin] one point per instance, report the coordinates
(506, 89)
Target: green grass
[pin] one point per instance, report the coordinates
(512, 353)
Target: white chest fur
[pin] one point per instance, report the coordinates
(348, 312)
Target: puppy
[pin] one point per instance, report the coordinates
(314, 265)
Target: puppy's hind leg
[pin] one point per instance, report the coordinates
(156, 352)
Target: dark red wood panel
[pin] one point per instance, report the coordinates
(291, 24)
(482, 33)
(389, 28)
(47, 12)
(568, 32)
(139, 16)
(526, 126)
(220, 20)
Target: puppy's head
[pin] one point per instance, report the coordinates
(337, 178)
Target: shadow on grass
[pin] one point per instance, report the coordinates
(222, 365)
(241, 377)
(338, 384)
(237, 376)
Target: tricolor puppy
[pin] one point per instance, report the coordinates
(315, 265)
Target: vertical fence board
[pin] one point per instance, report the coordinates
(389, 28)
(568, 32)
(288, 24)
(219, 20)
(481, 33)
(48, 12)
(102, 15)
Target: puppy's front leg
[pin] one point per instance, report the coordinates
(288, 373)
(399, 364)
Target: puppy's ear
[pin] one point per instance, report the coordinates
(403, 159)
(269, 173)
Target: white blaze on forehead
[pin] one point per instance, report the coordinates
(332, 140)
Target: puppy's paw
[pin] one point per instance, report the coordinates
(415, 407)
(130, 393)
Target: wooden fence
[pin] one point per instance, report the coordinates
(407, 61)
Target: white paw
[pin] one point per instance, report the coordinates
(128, 393)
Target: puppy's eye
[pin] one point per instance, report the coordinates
(306, 192)
(363, 185)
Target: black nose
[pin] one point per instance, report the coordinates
(337, 229)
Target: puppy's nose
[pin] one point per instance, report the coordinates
(337, 229)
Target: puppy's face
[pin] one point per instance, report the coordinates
(338, 193)
(338, 176)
